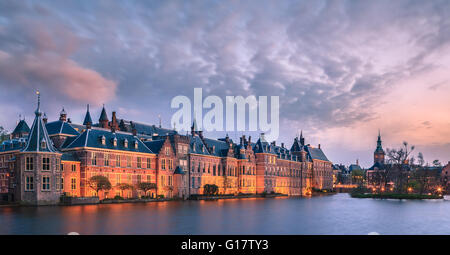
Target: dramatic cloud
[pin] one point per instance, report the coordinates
(342, 69)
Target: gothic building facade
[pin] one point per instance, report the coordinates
(41, 163)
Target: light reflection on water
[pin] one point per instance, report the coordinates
(338, 214)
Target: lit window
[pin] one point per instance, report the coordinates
(125, 143)
(73, 183)
(43, 144)
(103, 140)
(115, 142)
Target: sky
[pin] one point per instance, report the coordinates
(342, 69)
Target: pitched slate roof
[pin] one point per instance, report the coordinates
(378, 166)
(22, 127)
(220, 147)
(60, 128)
(87, 118)
(145, 129)
(316, 153)
(353, 167)
(92, 138)
(197, 146)
(155, 145)
(13, 144)
(69, 157)
(103, 115)
(38, 139)
(262, 146)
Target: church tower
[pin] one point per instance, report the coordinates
(378, 155)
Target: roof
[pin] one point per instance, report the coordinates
(197, 146)
(92, 138)
(220, 147)
(103, 115)
(145, 129)
(87, 118)
(13, 144)
(377, 165)
(38, 139)
(69, 157)
(354, 167)
(262, 146)
(60, 128)
(22, 127)
(316, 153)
(155, 145)
(178, 170)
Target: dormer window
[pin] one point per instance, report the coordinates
(103, 140)
(125, 143)
(43, 144)
(136, 144)
(115, 142)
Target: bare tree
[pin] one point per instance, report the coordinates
(398, 163)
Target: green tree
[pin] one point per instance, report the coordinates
(210, 189)
(123, 187)
(146, 186)
(357, 176)
(99, 182)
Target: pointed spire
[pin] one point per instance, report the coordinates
(38, 139)
(103, 118)
(87, 119)
(38, 109)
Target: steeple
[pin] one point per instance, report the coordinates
(378, 155)
(38, 140)
(302, 140)
(103, 120)
(87, 119)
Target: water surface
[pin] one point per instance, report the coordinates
(338, 214)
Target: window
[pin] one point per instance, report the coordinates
(139, 162)
(139, 178)
(57, 164)
(106, 159)
(125, 143)
(136, 144)
(62, 183)
(74, 168)
(149, 163)
(73, 183)
(103, 140)
(45, 183)
(129, 161)
(43, 144)
(46, 164)
(118, 160)
(94, 159)
(163, 164)
(29, 164)
(29, 183)
(115, 142)
(148, 178)
(167, 151)
(118, 178)
(170, 164)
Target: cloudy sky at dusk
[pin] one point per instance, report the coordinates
(342, 69)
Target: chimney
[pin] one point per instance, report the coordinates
(69, 120)
(249, 140)
(282, 145)
(200, 134)
(319, 145)
(45, 119)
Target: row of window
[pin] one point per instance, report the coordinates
(116, 161)
(30, 164)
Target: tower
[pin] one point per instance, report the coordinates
(378, 155)
(38, 173)
(87, 119)
(103, 120)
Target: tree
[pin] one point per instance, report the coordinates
(99, 182)
(210, 189)
(124, 186)
(398, 160)
(146, 186)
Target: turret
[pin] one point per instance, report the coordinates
(103, 120)
(63, 115)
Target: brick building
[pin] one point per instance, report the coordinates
(40, 164)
